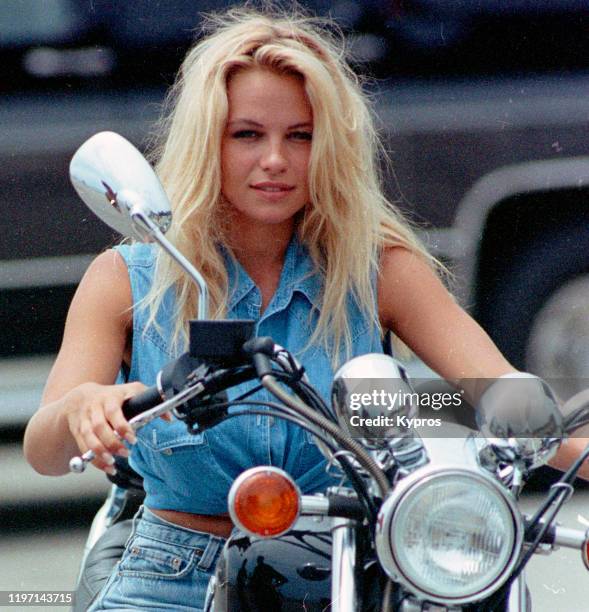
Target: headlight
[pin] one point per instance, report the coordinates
(451, 536)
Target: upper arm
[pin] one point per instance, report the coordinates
(416, 306)
(96, 330)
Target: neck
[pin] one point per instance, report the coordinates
(258, 245)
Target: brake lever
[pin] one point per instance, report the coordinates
(78, 464)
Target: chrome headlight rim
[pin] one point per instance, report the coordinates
(388, 512)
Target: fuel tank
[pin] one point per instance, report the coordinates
(290, 572)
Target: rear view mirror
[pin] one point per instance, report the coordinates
(120, 187)
(117, 183)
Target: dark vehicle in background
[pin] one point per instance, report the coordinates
(484, 107)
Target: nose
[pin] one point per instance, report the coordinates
(273, 159)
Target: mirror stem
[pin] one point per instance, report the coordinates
(148, 228)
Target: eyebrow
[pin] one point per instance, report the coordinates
(256, 124)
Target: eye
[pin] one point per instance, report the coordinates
(246, 134)
(301, 135)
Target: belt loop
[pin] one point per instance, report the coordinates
(136, 520)
(210, 553)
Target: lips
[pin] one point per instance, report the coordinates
(271, 187)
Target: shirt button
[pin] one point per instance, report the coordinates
(270, 420)
(167, 451)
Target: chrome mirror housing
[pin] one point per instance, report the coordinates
(519, 416)
(119, 186)
(371, 395)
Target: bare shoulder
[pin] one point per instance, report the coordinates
(103, 298)
(407, 281)
(97, 328)
(106, 285)
(108, 266)
(397, 260)
(415, 304)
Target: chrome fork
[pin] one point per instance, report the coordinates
(519, 597)
(344, 592)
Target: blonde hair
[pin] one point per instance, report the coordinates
(348, 220)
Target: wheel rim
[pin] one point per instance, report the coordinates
(558, 344)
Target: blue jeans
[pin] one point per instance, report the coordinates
(164, 567)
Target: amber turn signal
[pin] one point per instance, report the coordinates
(264, 501)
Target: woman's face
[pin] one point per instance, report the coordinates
(266, 147)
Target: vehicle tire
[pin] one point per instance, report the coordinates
(539, 309)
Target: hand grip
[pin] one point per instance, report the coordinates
(140, 403)
(132, 407)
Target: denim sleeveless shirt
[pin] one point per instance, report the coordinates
(193, 473)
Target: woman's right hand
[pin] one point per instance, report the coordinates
(95, 419)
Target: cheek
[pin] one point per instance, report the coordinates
(232, 167)
(303, 166)
(236, 162)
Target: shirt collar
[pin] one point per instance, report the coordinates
(240, 284)
(298, 274)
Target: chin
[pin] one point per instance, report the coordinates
(264, 213)
(270, 216)
(274, 220)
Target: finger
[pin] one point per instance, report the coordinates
(103, 431)
(166, 416)
(115, 417)
(132, 389)
(103, 459)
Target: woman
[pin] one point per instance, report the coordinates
(269, 160)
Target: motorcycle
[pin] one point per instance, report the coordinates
(423, 518)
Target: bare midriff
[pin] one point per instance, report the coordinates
(218, 525)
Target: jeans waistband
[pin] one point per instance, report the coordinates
(148, 524)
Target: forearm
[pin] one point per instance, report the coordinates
(568, 452)
(48, 443)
